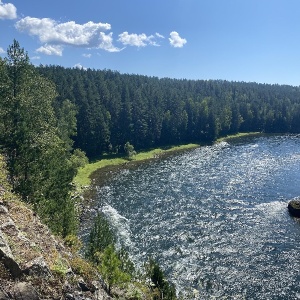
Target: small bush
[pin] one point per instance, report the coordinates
(60, 267)
(83, 268)
(129, 150)
(73, 242)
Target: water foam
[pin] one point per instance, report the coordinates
(120, 225)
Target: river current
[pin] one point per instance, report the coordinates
(215, 218)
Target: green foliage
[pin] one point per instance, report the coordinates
(115, 266)
(60, 267)
(66, 121)
(78, 159)
(73, 242)
(111, 268)
(83, 268)
(37, 141)
(3, 175)
(165, 289)
(101, 236)
(126, 265)
(129, 150)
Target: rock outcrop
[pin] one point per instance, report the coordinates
(294, 208)
(34, 264)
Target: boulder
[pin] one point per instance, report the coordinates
(7, 257)
(294, 208)
(25, 291)
(37, 267)
(83, 285)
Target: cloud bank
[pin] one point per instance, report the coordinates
(8, 11)
(176, 41)
(55, 36)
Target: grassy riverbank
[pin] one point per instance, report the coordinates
(83, 177)
(238, 135)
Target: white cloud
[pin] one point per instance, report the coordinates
(51, 50)
(79, 66)
(152, 41)
(69, 33)
(2, 51)
(7, 11)
(35, 58)
(87, 55)
(133, 39)
(56, 36)
(106, 43)
(176, 41)
(138, 40)
(159, 35)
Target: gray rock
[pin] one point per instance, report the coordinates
(69, 297)
(37, 267)
(83, 286)
(25, 291)
(102, 295)
(3, 210)
(9, 228)
(3, 296)
(7, 257)
(78, 296)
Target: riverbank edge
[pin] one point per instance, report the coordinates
(83, 179)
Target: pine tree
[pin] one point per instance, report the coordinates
(38, 152)
(101, 236)
(110, 268)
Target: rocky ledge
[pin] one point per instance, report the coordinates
(34, 264)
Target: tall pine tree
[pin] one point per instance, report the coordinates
(39, 159)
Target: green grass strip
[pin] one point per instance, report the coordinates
(237, 135)
(82, 178)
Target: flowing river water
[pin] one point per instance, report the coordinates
(215, 218)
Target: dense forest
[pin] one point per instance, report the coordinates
(114, 108)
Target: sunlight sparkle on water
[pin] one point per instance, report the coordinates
(215, 218)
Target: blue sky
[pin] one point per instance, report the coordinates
(235, 40)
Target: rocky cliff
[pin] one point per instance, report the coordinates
(34, 264)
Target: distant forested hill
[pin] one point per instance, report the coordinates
(114, 108)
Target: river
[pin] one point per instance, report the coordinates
(215, 218)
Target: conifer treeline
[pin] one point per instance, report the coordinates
(114, 108)
(35, 138)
